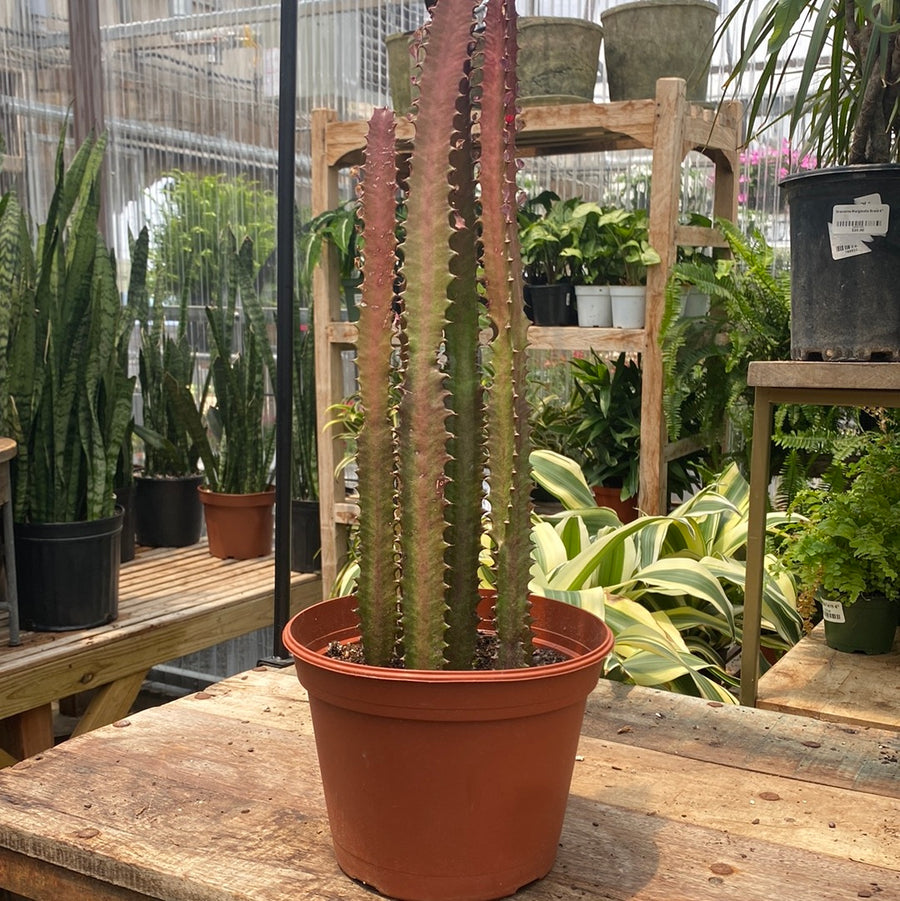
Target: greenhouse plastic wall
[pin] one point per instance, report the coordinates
(190, 102)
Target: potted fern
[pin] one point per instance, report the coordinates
(845, 550)
(437, 737)
(67, 398)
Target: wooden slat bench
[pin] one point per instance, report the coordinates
(216, 797)
(172, 602)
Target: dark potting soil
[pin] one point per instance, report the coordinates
(485, 653)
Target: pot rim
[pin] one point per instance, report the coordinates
(860, 170)
(316, 657)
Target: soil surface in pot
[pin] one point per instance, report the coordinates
(485, 653)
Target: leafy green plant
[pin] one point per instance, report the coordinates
(63, 333)
(613, 246)
(338, 227)
(670, 587)
(194, 213)
(421, 496)
(629, 239)
(847, 543)
(705, 359)
(305, 471)
(166, 368)
(548, 231)
(599, 426)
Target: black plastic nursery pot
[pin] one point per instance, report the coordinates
(845, 263)
(68, 573)
(168, 512)
(306, 536)
(867, 626)
(550, 305)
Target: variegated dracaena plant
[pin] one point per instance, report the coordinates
(453, 417)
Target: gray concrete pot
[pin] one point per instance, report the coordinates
(557, 62)
(650, 39)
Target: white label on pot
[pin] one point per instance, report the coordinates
(860, 218)
(844, 246)
(868, 199)
(833, 611)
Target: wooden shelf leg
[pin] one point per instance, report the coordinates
(111, 702)
(27, 733)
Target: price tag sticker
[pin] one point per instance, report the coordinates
(844, 246)
(833, 611)
(860, 218)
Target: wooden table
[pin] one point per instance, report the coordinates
(794, 382)
(815, 680)
(172, 602)
(216, 796)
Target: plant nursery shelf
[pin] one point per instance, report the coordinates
(672, 797)
(172, 602)
(669, 127)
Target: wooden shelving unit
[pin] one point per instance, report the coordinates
(670, 127)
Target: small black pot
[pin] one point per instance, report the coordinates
(68, 573)
(168, 512)
(125, 499)
(550, 305)
(306, 537)
(868, 626)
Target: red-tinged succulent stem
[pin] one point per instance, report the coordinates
(507, 412)
(447, 439)
(377, 591)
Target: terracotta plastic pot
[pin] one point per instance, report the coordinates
(239, 525)
(447, 785)
(626, 510)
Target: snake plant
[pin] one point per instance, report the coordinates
(456, 415)
(63, 327)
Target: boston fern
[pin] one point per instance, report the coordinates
(422, 502)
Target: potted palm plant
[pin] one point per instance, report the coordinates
(436, 737)
(833, 73)
(67, 398)
(237, 496)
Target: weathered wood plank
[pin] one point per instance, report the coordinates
(825, 376)
(111, 702)
(233, 770)
(171, 603)
(865, 759)
(817, 681)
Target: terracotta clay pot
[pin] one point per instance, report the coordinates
(626, 510)
(451, 784)
(239, 525)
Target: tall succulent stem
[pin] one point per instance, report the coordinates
(459, 257)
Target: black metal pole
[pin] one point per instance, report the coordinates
(287, 108)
